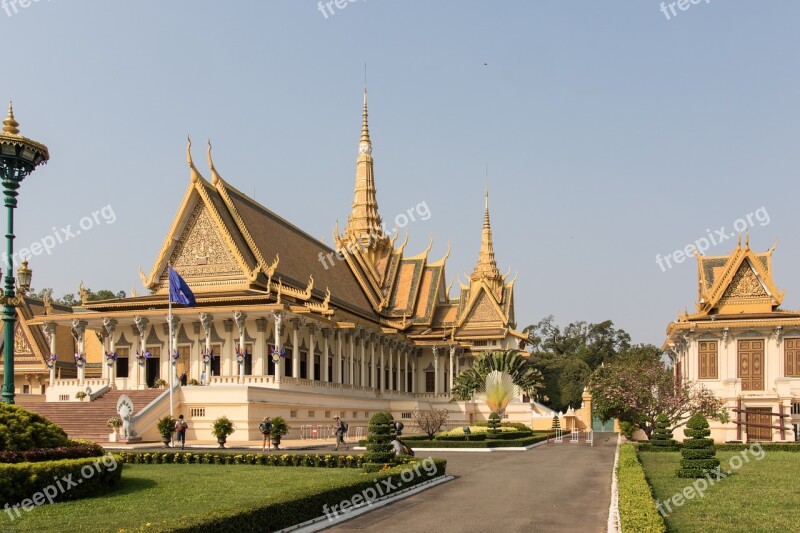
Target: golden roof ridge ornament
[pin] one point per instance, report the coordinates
(10, 125)
(215, 177)
(487, 265)
(195, 175)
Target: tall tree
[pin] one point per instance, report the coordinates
(636, 387)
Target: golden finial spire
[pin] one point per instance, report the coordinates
(10, 126)
(487, 266)
(194, 174)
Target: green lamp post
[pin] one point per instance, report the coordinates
(19, 156)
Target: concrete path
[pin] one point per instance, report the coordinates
(560, 487)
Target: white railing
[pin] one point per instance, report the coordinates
(590, 437)
(559, 436)
(67, 388)
(575, 436)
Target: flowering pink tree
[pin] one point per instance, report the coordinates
(636, 387)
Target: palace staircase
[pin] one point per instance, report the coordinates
(87, 419)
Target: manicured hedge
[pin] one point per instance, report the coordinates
(766, 446)
(519, 425)
(21, 429)
(472, 443)
(232, 458)
(459, 438)
(276, 515)
(73, 451)
(89, 476)
(637, 509)
(504, 435)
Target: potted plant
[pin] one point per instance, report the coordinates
(279, 429)
(114, 423)
(221, 429)
(166, 426)
(160, 384)
(80, 395)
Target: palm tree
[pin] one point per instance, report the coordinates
(522, 372)
(498, 391)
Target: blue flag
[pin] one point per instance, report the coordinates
(179, 291)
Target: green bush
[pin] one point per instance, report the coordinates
(460, 438)
(766, 446)
(697, 452)
(472, 443)
(273, 516)
(21, 429)
(230, 458)
(662, 436)
(627, 429)
(379, 442)
(89, 477)
(73, 451)
(637, 509)
(494, 426)
(517, 425)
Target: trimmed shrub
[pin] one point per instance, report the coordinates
(637, 509)
(380, 451)
(556, 423)
(472, 443)
(67, 479)
(494, 426)
(223, 458)
(517, 425)
(627, 429)
(662, 436)
(73, 451)
(698, 452)
(21, 429)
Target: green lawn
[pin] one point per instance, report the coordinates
(151, 493)
(758, 496)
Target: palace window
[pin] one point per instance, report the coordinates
(327, 415)
(708, 359)
(197, 412)
(405, 415)
(292, 414)
(311, 414)
(791, 351)
(796, 408)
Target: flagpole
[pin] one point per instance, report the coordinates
(169, 351)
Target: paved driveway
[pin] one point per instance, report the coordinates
(563, 487)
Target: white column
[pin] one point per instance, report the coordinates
(452, 367)
(363, 341)
(372, 370)
(405, 370)
(110, 325)
(50, 333)
(414, 388)
(227, 363)
(323, 360)
(383, 365)
(391, 363)
(279, 365)
(436, 378)
(259, 356)
(312, 330)
(141, 327)
(79, 327)
(352, 357)
(240, 318)
(205, 322)
(295, 347)
(337, 361)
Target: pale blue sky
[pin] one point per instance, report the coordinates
(612, 134)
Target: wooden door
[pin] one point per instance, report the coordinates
(751, 364)
(762, 416)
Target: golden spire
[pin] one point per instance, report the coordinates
(10, 126)
(487, 266)
(364, 223)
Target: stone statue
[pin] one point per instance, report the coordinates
(125, 411)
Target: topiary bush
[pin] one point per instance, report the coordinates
(698, 452)
(494, 426)
(380, 451)
(662, 440)
(556, 423)
(21, 430)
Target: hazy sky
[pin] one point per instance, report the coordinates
(613, 132)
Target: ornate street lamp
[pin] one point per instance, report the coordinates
(19, 156)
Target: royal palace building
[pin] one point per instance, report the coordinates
(283, 324)
(742, 346)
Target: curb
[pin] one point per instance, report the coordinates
(323, 522)
(475, 450)
(614, 525)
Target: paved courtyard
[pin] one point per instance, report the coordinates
(554, 488)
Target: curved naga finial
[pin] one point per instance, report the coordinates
(194, 174)
(215, 177)
(143, 277)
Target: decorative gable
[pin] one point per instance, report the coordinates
(483, 311)
(201, 250)
(745, 284)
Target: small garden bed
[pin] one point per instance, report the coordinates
(424, 442)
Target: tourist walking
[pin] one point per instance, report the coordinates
(180, 427)
(183, 379)
(340, 426)
(265, 427)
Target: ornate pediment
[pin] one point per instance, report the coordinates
(483, 310)
(745, 284)
(201, 250)
(21, 344)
